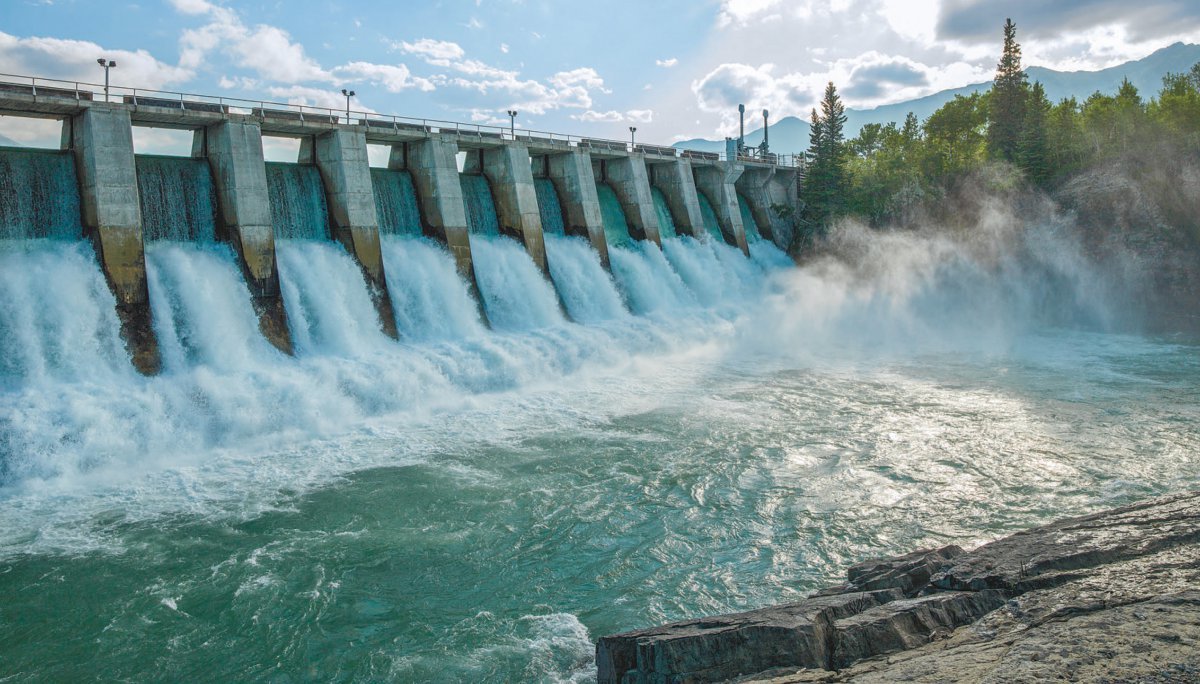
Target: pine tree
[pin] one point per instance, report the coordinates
(1009, 93)
(1034, 149)
(825, 180)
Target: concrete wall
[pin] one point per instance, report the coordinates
(575, 183)
(782, 190)
(234, 153)
(718, 185)
(628, 178)
(678, 185)
(754, 185)
(509, 173)
(341, 155)
(101, 138)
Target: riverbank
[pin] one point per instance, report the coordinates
(1113, 596)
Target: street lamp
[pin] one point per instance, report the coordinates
(349, 94)
(632, 131)
(107, 64)
(512, 123)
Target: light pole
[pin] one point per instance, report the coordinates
(632, 132)
(107, 64)
(349, 94)
(512, 123)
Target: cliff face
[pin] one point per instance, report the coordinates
(1107, 597)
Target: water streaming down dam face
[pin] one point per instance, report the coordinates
(298, 207)
(587, 290)
(748, 222)
(430, 299)
(39, 195)
(666, 222)
(396, 203)
(480, 206)
(178, 199)
(646, 280)
(616, 226)
(712, 225)
(549, 207)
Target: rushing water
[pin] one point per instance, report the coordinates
(39, 196)
(298, 208)
(549, 207)
(178, 198)
(396, 202)
(616, 226)
(751, 226)
(480, 505)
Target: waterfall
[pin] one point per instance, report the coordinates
(587, 290)
(698, 266)
(769, 257)
(396, 203)
(748, 222)
(481, 208)
(515, 294)
(178, 199)
(616, 228)
(57, 316)
(298, 208)
(431, 301)
(711, 224)
(39, 196)
(549, 207)
(201, 307)
(329, 308)
(666, 222)
(647, 282)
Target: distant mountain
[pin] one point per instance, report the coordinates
(790, 134)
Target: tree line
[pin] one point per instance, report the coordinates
(888, 169)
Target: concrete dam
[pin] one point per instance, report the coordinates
(465, 226)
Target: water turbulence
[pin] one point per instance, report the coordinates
(647, 282)
(481, 208)
(298, 207)
(39, 196)
(396, 203)
(666, 222)
(178, 199)
(748, 222)
(549, 207)
(616, 227)
(712, 225)
(587, 290)
(430, 300)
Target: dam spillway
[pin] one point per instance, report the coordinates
(540, 231)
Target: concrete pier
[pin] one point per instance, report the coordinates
(443, 210)
(575, 183)
(677, 183)
(234, 153)
(718, 183)
(101, 138)
(628, 178)
(511, 179)
(341, 156)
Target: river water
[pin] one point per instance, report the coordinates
(480, 504)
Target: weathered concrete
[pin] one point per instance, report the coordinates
(575, 182)
(341, 156)
(678, 186)
(754, 185)
(628, 178)
(511, 179)
(101, 138)
(443, 210)
(1104, 597)
(234, 153)
(718, 183)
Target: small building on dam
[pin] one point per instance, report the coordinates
(443, 181)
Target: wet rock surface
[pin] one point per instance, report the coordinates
(1111, 597)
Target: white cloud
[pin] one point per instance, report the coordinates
(75, 60)
(394, 78)
(436, 52)
(741, 11)
(610, 116)
(504, 48)
(666, 63)
(640, 115)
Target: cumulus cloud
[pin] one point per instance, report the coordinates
(75, 60)
(666, 63)
(980, 20)
(613, 116)
(875, 79)
(436, 52)
(393, 78)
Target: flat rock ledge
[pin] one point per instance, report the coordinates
(1110, 597)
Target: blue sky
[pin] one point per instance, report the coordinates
(673, 69)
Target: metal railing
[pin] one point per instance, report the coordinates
(283, 111)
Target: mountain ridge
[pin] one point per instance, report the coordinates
(790, 134)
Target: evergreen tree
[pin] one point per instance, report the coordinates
(825, 177)
(1008, 96)
(1033, 152)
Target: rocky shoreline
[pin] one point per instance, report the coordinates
(1109, 597)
